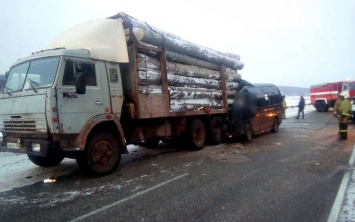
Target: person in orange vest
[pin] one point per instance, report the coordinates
(343, 110)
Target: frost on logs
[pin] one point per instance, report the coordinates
(193, 71)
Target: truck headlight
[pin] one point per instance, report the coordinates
(36, 147)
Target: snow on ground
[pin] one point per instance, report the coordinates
(16, 170)
(292, 102)
(348, 208)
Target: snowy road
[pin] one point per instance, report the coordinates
(292, 175)
(16, 170)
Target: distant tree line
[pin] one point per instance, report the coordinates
(294, 91)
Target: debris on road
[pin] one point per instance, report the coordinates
(50, 180)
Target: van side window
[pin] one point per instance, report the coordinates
(260, 100)
(260, 96)
(267, 99)
(273, 94)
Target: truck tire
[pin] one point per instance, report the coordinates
(317, 107)
(248, 132)
(215, 130)
(46, 161)
(101, 156)
(196, 135)
(323, 107)
(275, 126)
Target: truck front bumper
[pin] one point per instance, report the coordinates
(34, 147)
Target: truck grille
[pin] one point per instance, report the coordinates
(20, 125)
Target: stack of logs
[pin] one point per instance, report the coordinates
(193, 71)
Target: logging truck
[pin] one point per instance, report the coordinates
(108, 83)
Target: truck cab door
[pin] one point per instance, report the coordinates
(81, 94)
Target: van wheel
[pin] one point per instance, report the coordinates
(275, 126)
(101, 155)
(46, 161)
(215, 130)
(248, 132)
(196, 134)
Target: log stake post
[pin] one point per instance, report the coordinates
(164, 79)
(224, 87)
(135, 82)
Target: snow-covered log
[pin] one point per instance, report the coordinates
(185, 47)
(188, 60)
(233, 76)
(190, 104)
(152, 77)
(149, 77)
(193, 93)
(184, 99)
(192, 71)
(187, 93)
(147, 63)
(151, 89)
(148, 33)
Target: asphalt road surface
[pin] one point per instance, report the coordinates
(292, 175)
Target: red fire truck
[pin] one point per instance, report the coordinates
(323, 96)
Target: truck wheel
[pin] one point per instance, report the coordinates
(248, 130)
(318, 107)
(46, 161)
(196, 134)
(215, 130)
(275, 126)
(101, 155)
(323, 107)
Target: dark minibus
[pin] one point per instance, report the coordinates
(257, 108)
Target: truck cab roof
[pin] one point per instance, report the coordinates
(82, 53)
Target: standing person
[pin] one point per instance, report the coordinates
(301, 104)
(343, 110)
(283, 107)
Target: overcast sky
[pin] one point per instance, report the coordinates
(289, 43)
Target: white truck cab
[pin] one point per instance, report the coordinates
(52, 99)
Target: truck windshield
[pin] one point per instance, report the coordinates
(32, 75)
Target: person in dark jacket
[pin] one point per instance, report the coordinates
(301, 105)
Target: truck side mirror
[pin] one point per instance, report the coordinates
(80, 84)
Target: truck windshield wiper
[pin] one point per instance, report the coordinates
(33, 82)
(8, 90)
